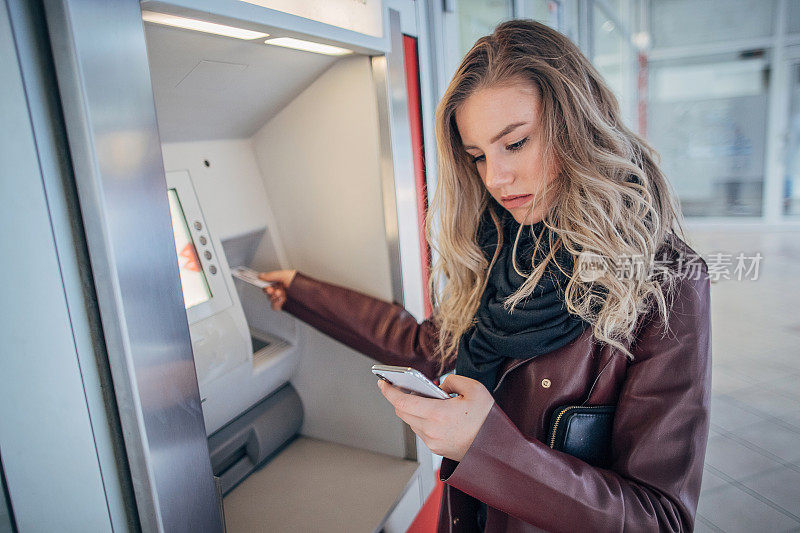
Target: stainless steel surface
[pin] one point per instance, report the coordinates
(104, 82)
(397, 176)
(403, 161)
(380, 72)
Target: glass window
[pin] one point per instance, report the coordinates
(688, 22)
(477, 18)
(707, 118)
(793, 9)
(791, 196)
(547, 12)
(614, 58)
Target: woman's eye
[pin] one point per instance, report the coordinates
(517, 145)
(511, 147)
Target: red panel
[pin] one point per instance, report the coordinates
(418, 152)
(428, 517)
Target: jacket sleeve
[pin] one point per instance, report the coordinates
(658, 441)
(378, 329)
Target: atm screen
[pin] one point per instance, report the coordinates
(193, 279)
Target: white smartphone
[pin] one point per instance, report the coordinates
(410, 380)
(248, 275)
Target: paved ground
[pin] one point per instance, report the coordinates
(752, 472)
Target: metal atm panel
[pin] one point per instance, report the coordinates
(114, 143)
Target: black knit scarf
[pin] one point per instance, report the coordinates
(538, 324)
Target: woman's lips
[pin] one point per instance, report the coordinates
(517, 202)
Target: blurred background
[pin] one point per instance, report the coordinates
(714, 85)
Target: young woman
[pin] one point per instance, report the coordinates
(564, 283)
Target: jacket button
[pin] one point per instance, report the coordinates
(546, 383)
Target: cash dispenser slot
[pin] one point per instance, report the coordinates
(240, 447)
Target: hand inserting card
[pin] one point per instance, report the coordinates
(248, 275)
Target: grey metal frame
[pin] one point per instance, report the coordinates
(114, 143)
(380, 72)
(397, 170)
(397, 177)
(774, 170)
(55, 431)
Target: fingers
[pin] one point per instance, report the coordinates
(277, 295)
(283, 277)
(410, 404)
(459, 384)
(275, 290)
(417, 423)
(275, 275)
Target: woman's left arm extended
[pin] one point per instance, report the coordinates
(658, 441)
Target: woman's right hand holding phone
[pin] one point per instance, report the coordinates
(281, 279)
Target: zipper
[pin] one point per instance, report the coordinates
(554, 430)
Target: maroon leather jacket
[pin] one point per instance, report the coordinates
(659, 433)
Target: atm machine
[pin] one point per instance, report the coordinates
(224, 152)
(253, 414)
(237, 365)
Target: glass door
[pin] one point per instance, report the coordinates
(614, 55)
(791, 189)
(708, 118)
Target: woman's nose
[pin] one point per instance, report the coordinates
(497, 175)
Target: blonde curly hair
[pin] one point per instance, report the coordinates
(610, 199)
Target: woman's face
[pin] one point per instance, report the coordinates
(499, 127)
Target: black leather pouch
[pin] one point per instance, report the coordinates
(583, 431)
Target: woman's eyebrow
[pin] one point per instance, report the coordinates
(504, 131)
